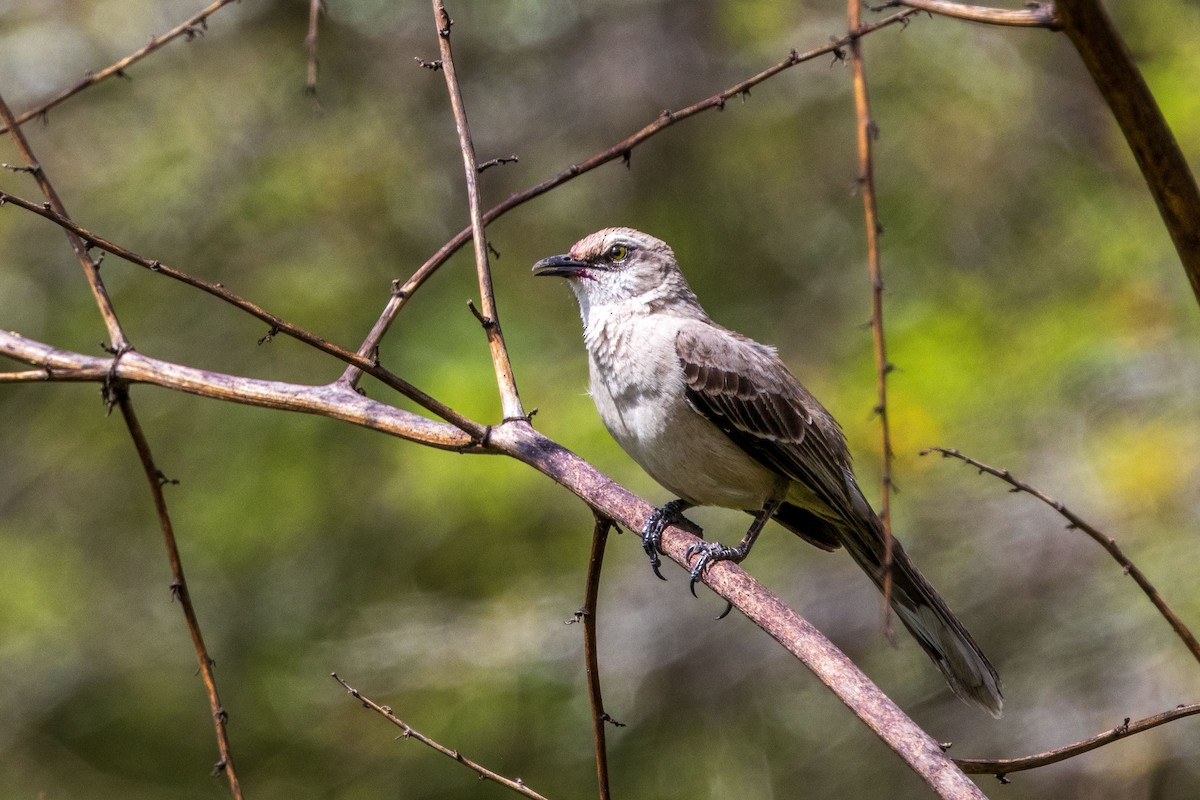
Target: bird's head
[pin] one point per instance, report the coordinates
(619, 265)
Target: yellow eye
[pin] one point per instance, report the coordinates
(618, 252)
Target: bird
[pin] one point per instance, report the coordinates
(717, 419)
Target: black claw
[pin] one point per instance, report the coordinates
(725, 613)
(652, 532)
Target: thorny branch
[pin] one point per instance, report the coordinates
(587, 614)
(866, 131)
(620, 150)
(411, 733)
(91, 269)
(510, 400)
(179, 589)
(367, 364)
(518, 440)
(188, 29)
(1101, 538)
(1001, 767)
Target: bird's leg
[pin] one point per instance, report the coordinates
(670, 514)
(715, 551)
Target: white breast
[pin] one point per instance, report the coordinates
(638, 388)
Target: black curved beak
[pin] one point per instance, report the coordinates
(563, 266)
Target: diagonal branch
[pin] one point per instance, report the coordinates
(189, 28)
(367, 364)
(179, 590)
(91, 269)
(510, 400)
(607, 498)
(866, 133)
(620, 150)
(1101, 538)
(1003, 766)
(411, 733)
(1154, 147)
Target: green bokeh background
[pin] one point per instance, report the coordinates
(1036, 313)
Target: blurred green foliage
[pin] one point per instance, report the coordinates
(1036, 313)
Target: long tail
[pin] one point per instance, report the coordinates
(915, 601)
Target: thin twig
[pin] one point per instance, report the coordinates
(91, 269)
(1154, 147)
(1035, 15)
(179, 590)
(1101, 538)
(591, 653)
(310, 44)
(411, 733)
(510, 400)
(620, 150)
(189, 28)
(1003, 766)
(367, 364)
(866, 133)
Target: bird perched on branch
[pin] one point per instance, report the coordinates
(718, 420)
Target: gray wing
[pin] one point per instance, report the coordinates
(747, 392)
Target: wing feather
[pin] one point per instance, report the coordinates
(747, 392)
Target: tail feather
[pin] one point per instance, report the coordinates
(918, 605)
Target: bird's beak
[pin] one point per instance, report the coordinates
(563, 266)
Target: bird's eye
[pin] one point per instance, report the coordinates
(618, 252)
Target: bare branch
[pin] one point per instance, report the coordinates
(1101, 538)
(315, 7)
(1154, 147)
(411, 733)
(1003, 766)
(336, 401)
(1035, 15)
(510, 400)
(179, 590)
(367, 364)
(866, 131)
(188, 29)
(620, 150)
(923, 755)
(91, 269)
(591, 653)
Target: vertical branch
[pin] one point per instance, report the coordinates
(180, 591)
(1154, 147)
(588, 615)
(866, 181)
(310, 44)
(510, 400)
(91, 269)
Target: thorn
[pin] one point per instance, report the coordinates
(269, 336)
(497, 161)
(432, 66)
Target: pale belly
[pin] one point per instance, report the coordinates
(681, 449)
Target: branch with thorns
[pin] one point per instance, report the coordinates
(409, 732)
(1076, 522)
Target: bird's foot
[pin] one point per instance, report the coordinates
(670, 514)
(710, 552)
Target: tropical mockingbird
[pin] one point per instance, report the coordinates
(718, 420)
